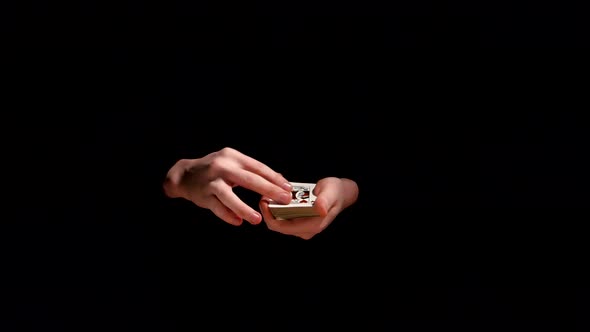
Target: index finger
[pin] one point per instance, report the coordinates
(250, 164)
(256, 183)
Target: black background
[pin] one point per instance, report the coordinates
(463, 126)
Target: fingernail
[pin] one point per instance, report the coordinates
(255, 218)
(287, 186)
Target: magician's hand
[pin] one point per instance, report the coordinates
(333, 195)
(209, 181)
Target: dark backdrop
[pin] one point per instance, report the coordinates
(469, 151)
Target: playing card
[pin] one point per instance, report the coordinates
(302, 200)
(302, 193)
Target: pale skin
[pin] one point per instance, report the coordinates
(208, 182)
(333, 195)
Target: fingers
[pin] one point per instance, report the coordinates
(223, 213)
(226, 197)
(254, 175)
(333, 195)
(304, 228)
(264, 171)
(265, 210)
(225, 204)
(329, 193)
(256, 183)
(312, 225)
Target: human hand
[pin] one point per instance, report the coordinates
(209, 181)
(333, 195)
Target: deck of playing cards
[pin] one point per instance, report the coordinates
(302, 200)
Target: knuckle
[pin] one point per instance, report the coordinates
(227, 151)
(217, 167)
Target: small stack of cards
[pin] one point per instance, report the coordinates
(302, 200)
